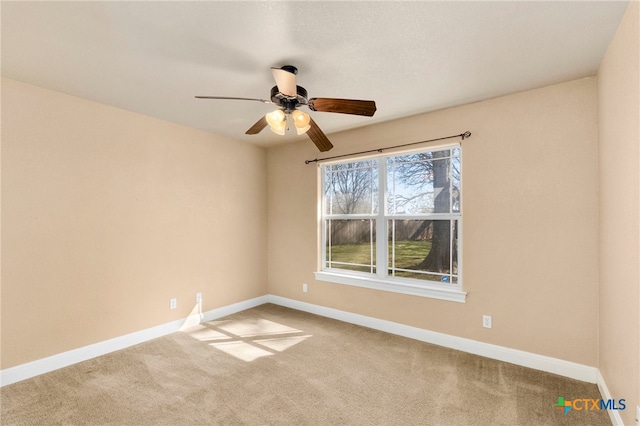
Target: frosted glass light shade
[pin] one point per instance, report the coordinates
(279, 128)
(274, 118)
(301, 121)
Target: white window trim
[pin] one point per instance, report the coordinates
(395, 285)
(380, 281)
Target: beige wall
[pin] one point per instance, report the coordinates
(530, 239)
(107, 214)
(619, 166)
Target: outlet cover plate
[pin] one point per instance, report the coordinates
(486, 321)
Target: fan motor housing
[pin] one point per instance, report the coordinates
(289, 102)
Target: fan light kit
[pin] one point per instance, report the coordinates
(277, 121)
(288, 97)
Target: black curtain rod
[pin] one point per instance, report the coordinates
(461, 135)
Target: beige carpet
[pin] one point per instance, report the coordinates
(276, 366)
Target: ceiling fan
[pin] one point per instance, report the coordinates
(288, 97)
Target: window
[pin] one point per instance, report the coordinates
(392, 222)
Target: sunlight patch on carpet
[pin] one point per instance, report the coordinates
(241, 350)
(253, 328)
(282, 343)
(247, 340)
(206, 334)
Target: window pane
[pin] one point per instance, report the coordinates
(351, 245)
(422, 193)
(351, 188)
(455, 183)
(422, 183)
(424, 249)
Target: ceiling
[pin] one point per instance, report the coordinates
(410, 57)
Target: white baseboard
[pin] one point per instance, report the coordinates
(501, 353)
(514, 356)
(45, 365)
(614, 415)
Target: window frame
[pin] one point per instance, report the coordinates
(380, 280)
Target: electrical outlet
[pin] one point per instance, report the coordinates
(304, 287)
(198, 297)
(486, 321)
(173, 303)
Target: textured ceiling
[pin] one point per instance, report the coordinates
(410, 57)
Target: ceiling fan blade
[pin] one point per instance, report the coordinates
(285, 80)
(343, 106)
(318, 137)
(257, 128)
(234, 99)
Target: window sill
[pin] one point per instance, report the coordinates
(395, 286)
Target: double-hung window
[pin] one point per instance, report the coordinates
(393, 222)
